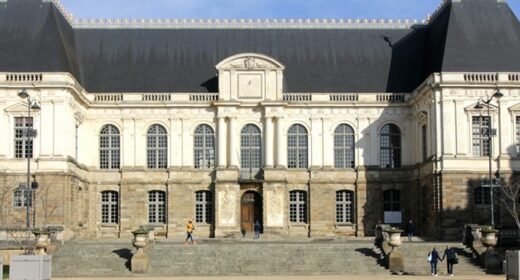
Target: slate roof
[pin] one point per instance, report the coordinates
(467, 35)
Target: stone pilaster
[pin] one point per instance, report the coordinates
(221, 142)
(269, 142)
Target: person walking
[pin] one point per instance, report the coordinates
(433, 258)
(190, 227)
(409, 230)
(451, 259)
(257, 230)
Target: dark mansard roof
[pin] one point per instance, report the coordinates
(465, 35)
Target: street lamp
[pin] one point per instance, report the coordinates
(30, 133)
(497, 95)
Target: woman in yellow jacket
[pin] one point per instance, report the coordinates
(190, 227)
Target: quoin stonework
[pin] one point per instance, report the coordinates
(312, 127)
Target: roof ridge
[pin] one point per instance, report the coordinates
(233, 23)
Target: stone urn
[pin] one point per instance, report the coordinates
(42, 240)
(489, 236)
(140, 238)
(394, 235)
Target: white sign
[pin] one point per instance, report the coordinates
(393, 217)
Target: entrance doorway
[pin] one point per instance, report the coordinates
(250, 210)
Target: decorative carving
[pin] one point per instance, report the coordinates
(227, 208)
(275, 208)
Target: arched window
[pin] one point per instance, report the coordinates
(297, 147)
(298, 207)
(157, 147)
(109, 207)
(345, 207)
(21, 198)
(344, 146)
(482, 196)
(203, 207)
(390, 146)
(250, 151)
(392, 201)
(204, 147)
(157, 207)
(109, 147)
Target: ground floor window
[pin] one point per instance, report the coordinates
(21, 198)
(344, 207)
(109, 207)
(203, 207)
(482, 196)
(157, 207)
(298, 207)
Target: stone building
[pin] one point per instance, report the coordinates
(312, 127)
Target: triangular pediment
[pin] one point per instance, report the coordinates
(20, 107)
(515, 108)
(471, 108)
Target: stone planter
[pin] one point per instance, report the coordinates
(394, 237)
(140, 261)
(140, 238)
(30, 267)
(489, 237)
(42, 239)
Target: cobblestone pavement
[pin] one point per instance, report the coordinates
(318, 277)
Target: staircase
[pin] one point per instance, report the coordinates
(218, 258)
(415, 254)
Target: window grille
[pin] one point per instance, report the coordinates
(203, 207)
(23, 147)
(517, 135)
(392, 200)
(480, 127)
(424, 142)
(344, 147)
(297, 147)
(298, 207)
(157, 147)
(390, 146)
(482, 196)
(109, 207)
(109, 147)
(344, 207)
(251, 149)
(21, 198)
(204, 147)
(157, 207)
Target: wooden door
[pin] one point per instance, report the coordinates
(247, 219)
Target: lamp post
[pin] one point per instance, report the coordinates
(30, 133)
(497, 95)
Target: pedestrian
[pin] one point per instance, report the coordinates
(433, 258)
(190, 227)
(257, 230)
(451, 258)
(409, 230)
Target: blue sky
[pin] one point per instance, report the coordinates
(373, 9)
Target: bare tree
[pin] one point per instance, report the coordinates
(47, 198)
(509, 198)
(6, 192)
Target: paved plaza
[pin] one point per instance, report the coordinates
(317, 277)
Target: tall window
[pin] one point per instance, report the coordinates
(157, 207)
(23, 148)
(203, 207)
(424, 143)
(21, 198)
(109, 147)
(518, 135)
(482, 196)
(480, 135)
(390, 146)
(109, 207)
(392, 200)
(298, 207)
(297, 145)
(204, 147)
(251, 149)
(344, 147)
(344, 207)
(157, 147)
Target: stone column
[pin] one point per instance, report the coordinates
(221, 142)
(269, 142)
(280, 144)
(175, 142)
(327, 143)
(128, 141)
(233, 147)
